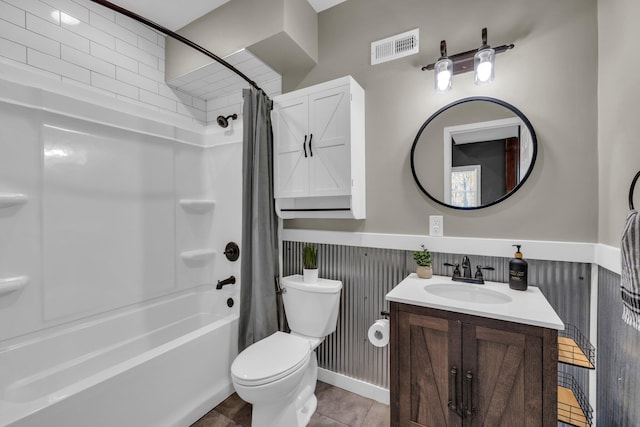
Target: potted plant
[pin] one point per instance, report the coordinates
(310, 263)
(423, 259)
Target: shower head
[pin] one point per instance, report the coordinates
(224, 121)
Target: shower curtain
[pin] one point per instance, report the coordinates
(259, 269)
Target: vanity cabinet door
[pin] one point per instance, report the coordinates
(502, 378)
(453, 369)
(428, 347)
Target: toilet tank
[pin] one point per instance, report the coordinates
(311, 308)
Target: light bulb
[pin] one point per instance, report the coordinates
(443, 70)
(483, 65)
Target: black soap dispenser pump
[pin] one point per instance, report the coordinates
(518, 271)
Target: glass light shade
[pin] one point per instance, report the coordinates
(443, 73)
(484, 66)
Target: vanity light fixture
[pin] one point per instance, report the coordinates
(481, 60)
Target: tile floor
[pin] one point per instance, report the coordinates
(336, 408)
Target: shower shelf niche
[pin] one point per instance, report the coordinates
(12, 284)
(198, 206)
(197, 257)
(12, 199)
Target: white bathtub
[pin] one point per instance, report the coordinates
(162, 363)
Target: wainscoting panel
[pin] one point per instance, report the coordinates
(618, 362)
(368, 274)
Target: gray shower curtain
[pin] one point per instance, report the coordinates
(259, 269)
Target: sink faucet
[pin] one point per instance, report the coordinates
(466, 267)
(466, 272)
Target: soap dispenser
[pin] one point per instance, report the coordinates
(518, 270)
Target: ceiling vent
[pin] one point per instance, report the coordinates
(395, 47)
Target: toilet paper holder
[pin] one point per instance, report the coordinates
(384, 314)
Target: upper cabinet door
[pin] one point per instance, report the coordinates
(290, 122)
(329, 142)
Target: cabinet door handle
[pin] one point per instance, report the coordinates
(304, 146)
(470, 410)
(310, 139)
(453, 392)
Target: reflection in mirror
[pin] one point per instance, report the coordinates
(473, 153)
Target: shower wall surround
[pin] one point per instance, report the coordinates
(107, 223)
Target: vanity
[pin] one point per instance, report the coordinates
(472, 355)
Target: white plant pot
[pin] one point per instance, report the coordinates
(310, 275)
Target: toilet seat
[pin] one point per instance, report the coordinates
(270, 359)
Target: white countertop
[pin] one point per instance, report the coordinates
(529, 307)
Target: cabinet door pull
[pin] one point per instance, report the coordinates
(453, 393)
(310, 139)
(304, 146)
(470, 410)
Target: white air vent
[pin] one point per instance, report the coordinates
(395, 47)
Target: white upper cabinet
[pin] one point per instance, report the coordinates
(319, 151)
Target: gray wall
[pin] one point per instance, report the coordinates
(618, 89)
(550, 76)
(618, 358)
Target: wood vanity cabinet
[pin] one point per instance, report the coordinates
(453, 369)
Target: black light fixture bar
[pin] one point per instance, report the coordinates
(463, 62)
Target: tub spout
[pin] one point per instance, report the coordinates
(228, 281)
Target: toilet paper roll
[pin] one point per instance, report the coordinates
(379, 333)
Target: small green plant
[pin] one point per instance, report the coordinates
(423, 257)
(310, 256)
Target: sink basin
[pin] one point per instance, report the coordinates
(467, 293)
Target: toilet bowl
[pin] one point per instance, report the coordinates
(278, 374)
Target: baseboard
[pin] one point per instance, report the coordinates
(353, 385)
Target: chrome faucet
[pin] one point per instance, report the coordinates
(466, 272)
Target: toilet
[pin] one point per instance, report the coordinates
(278, 374)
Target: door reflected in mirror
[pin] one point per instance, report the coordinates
(473, 153)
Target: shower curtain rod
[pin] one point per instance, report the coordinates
(178, 37)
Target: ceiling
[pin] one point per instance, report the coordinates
(175, 14)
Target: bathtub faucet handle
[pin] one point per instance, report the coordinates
(228, 281)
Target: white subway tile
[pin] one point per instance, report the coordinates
(37, 8)
(28, 38)
(216, 103)
(12, 14)
(199, 103)
(136, 27)
(151, 73)
(13, 51)
(187, 111)
(114, 86)
(56, 65)
(137, 80)
(162, 39)
(111, 28)
(136, 53)
(113, 57)
(87, 61)
(70, 8)
(157, 100)
(150, 47)
(168, 92)
(94, 90)
(138, 103)
(97, 8)
(94, 34)
(57, 33)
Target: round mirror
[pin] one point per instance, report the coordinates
(473, 153)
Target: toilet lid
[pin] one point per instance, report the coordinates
(270, 359)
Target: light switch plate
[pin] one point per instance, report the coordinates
(436, 225)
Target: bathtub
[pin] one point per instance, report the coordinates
(162, 363)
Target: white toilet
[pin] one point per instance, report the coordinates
(278, 374)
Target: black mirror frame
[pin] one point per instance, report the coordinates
(462, 101)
